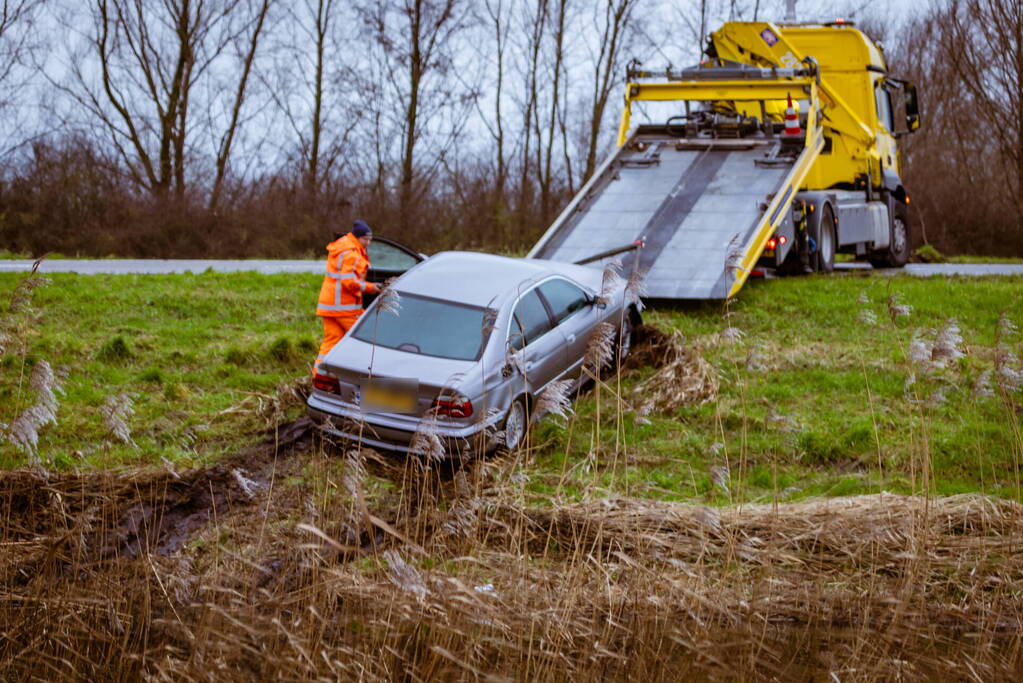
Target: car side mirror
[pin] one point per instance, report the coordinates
(597, 301)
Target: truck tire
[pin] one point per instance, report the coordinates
(897, 253)
(826, 237)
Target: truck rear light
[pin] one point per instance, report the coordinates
(326, 383)
(453, 406)
(775, 242)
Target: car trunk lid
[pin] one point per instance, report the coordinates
(356, 363)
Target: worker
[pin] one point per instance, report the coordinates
(344, 284)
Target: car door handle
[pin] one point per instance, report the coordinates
(527, 366)
(571, 339)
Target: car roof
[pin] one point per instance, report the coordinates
(478, 279)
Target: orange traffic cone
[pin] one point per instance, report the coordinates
(792, 120)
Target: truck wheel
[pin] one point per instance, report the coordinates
(897, 253)
(823, 260)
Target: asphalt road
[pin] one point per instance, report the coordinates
(160, 267)
(156, 267)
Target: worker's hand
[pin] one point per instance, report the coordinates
(372, 288)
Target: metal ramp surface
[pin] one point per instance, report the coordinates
(698, 205)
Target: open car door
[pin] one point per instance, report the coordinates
(388, 259)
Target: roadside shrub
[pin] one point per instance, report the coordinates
(818, 448)
(282, 349)
(115, 350)
(175, 391)
(858, 437)
(928, 254)
(236, 356)
(761, 477)
(849, 485)
(154, 375)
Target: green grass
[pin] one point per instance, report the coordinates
(185, 348)
(806, 425)
(190, 349)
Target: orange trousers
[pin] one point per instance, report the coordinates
(333, 330)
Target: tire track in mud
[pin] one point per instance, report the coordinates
(174, 508)
(101, 516)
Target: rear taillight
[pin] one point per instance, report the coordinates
(453, 406)
(326, 383)
(775, 242)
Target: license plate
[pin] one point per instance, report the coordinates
(389, 395)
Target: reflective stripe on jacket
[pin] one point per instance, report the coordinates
(345, 279)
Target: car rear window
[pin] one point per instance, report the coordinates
(426, 326)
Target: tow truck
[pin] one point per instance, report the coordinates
(779, 153)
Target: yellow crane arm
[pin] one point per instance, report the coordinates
(767, 44)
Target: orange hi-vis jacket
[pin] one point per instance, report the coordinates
(345, 280)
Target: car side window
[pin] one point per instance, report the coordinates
(564, 298)
(384, 256)
(530, 321)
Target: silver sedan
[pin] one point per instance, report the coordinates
(465, 347)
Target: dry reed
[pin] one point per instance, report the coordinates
(481, 582)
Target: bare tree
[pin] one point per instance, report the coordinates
(418, 42)
(150, 58)
(985, 39)
(16, 27)
(321, 24)
(695, 19)
(613, 29)
(308, 87)
(546, 130)
(18, 42)
(499, 26)
(253, 30)
(534, 26)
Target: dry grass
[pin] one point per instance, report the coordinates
(288, 563)
(683, 376)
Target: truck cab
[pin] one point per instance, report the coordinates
(866, 110)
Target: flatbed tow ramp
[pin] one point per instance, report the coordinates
(704, 192)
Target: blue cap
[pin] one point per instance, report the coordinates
(361, 229)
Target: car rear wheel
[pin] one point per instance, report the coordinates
(623, 346)
(516, 424)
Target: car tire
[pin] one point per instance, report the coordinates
(516, 425)
(625, 338)
(897, 253)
